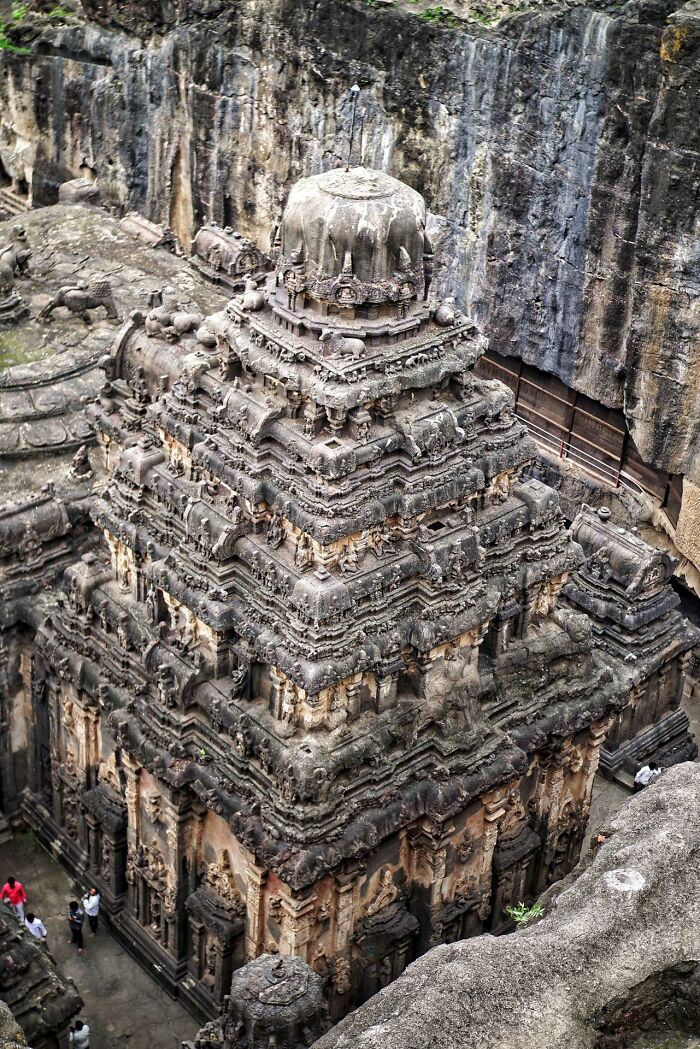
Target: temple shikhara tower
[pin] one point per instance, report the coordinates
(314, 693)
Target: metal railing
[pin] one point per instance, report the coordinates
(613, 476)
(565, 440)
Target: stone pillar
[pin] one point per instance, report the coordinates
(92, 842)
(254, 908)
(386, 692)
(596, 737)
(347, 893)
(277, 680)
(175, 924)
(132, 791)
(353, 699)
(428, 843)
(494, 810)
(297, 917)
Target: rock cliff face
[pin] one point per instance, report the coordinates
(559, 150)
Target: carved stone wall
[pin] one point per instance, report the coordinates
(624, 585)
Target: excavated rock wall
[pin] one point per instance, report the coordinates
(617, 948)
(560, 151)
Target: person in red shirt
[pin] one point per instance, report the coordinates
(13, 893)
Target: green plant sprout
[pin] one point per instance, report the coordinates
(439, 15)
(521, 914)
(7, 45)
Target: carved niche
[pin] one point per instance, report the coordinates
(220, 879)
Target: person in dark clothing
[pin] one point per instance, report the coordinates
(76, 917)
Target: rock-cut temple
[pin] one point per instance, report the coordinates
(317, 692)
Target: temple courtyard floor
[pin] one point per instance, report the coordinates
(124, 1006)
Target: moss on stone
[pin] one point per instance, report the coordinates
(15, 349)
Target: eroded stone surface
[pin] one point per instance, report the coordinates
(41, 1001)
(315, 693)
(11, 1035)
(624, 585)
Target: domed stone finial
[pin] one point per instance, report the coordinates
(274, 1000)
(354, 236)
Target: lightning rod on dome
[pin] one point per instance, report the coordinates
(355, 92)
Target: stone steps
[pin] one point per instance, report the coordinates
(12, 202)
(624, 778)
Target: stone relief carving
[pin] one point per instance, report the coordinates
(153, 807)
(385, 894)
(220, 878)
(223, 484)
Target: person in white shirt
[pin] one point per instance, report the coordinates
(35, 926)
(646, 774)
(79, 1036)
(91, 906)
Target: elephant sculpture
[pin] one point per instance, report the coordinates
(81, 297)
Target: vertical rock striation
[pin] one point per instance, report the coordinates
(558, 150)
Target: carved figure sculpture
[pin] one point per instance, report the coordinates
(446, 314)
(79, 298)
(80, 467)
(168, 321)
(238, 680)
(13, 263)
(7, 279)
(386, 893)
(252, 299)
(342, 346)
(16, 252)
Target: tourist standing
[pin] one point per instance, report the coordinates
(91, 906)
(76, 917)
(79, 1036)
(13, 893)
(645, 775)
(35, 926)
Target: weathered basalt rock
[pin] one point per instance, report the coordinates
(11, 1034)
(315, 693)
(624, 586)
(274, 1000)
